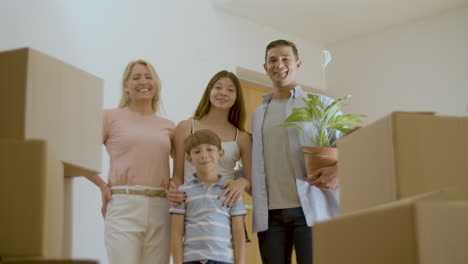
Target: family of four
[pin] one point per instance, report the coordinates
(207, 211)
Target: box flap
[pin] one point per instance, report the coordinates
(431, 153)
(413, 113)
(375, 184)
(442, 229)
(380, 236)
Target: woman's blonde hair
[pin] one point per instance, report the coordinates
(236, 114)
(125, 100)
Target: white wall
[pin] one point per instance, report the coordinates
(186, 40)
(422, 66)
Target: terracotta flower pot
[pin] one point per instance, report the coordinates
(319, 157)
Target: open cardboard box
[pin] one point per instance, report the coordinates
(401, 155)
(31, 200)
(48, 261)
(51, 100)
(411, 231)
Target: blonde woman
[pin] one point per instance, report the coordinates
(221, 110)
(139, 143)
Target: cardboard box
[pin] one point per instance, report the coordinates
(31, 200)
(45, 261)
(403, 232)
(51, 100)
(402, 155)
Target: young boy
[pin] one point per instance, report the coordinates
(203, 231)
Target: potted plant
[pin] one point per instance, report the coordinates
(325, 122)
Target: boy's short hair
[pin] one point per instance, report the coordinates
(202, 136)
(281, 43)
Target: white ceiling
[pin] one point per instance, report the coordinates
(329, 21)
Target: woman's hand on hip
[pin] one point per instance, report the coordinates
(106, 195)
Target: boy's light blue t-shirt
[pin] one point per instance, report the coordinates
(207, 222)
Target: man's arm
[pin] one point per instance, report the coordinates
(238, 237)
(177, 235)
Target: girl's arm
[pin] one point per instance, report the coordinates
(181, 133)
(174, 196)
(245, 145)
(238, 237)
(234, 189)
(177, 235)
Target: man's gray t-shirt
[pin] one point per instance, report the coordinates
(280, 179)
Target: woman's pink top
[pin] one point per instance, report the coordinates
(139, 147)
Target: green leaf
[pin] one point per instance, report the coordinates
(335, 104)
(325, 120)
(344, 129)
(299, 115)
(291, 125)
(313, 101)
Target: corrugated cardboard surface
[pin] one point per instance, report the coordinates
(49, 99)
(45, 261)
(13, 72)
(366, 164)
(68, 217)
(442, 228)
(431, 152)
(401, 155)
(400, 232)
(31, 200)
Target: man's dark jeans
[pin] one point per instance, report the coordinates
(286, 227)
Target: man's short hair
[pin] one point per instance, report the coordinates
(202, 136)
(280, 43)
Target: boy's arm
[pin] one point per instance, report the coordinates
(177, 235)
(238, 237)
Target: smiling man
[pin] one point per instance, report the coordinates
(286, 201)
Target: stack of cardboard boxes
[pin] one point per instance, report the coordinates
(404, 192)
(51, 128)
